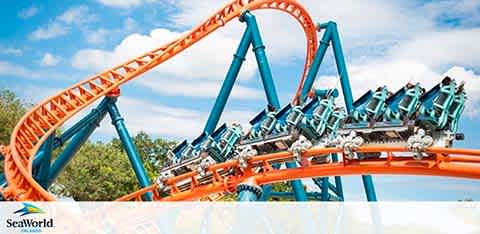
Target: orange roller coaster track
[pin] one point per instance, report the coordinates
(463, 163)
(33, 129)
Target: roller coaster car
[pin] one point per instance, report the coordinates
(366, 118)
(262, 124)
(381, 133)
(436, 104)
(223, 142)
(182, 151)
(335, 121)
(374, 108)
(456, 108)
(288, 118)
(278, 136)
(189, 165)
(186, 165)
(185, 156)
(332, 125)
(441, 110)
(206, 149)
(315, 123)
(404, 104)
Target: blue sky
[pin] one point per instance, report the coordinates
(46, 46)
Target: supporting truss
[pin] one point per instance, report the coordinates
(251, 36)
(332, 37)
(45, 171)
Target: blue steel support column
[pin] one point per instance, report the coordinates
(3, 181)
(230, 78)
(308, 83)
(249, 190)
(2, 177)
(43, 174)
(347, 94)
(297, 185)
(341, 67)
(129, 146)
(325, 188)
(338, 180)
(77, 141)
(262, 61)
(269, 86)
(317, 60)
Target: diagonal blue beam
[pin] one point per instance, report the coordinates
(2, 176)
(338, 180)
(42, 176)
(79, 138)
(129, 147)
(317, 61)
(332, 36)
(347, 94)
(90, 119)
(270, 91)
(227, 85)
(262, 60)
(3, 181)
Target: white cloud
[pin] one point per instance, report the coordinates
(440, 49)
(198, 61)
(455, 12)
(10, 69)
(61, 24)
(52, 30)
(284, 37)
(49, 60)
(395, 23)
(28, 12)
(371, 75)
(32, 93)
(98, 36)
(209, 58)
(163, 120)
(195, 72)
(199, 89)
(129, 24)
(76, 15)
(10, 51)
(123, 3)
(396, 73)
(472, 88)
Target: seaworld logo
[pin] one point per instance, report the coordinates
(29, 209)
(29, 225)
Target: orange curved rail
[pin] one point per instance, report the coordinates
(463, 163)
(50, 114)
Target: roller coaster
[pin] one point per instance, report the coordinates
(408, 132)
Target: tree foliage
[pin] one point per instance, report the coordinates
(102, 172)
(11, 110)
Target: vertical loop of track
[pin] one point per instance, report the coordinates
(34, 127)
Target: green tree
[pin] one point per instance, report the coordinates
(11, 110)
(102, 171)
